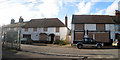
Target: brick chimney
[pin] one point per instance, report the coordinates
(66, 21)
(117, 14)
(21, 19)
(12, 21)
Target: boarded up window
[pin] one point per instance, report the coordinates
(43, 37)
(79, 26)
(79, 36)
(45, 29)
(26, 29)
(100, 27)
(34, 29)
(57, 29)
(57, 37)
(103, 37)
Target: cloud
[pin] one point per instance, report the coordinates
(48, 8)
(99, 12)
(28, 9)
(111, 9)
(84, 8)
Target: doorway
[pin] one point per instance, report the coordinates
(52, 38)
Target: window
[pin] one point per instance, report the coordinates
(90, 26)
(34, 29)
(26, 29)
(57, 29)
(100, 27)
(79, 26)
(57, 37)
(45, 29)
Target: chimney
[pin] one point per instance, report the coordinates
(21, 19)
(66, 20)
(12, 21)
(117, 12)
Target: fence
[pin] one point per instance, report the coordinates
(11, 39)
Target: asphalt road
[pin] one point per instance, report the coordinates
(50, 51)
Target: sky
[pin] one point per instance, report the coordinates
(36, 9)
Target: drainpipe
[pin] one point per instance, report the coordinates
(94, 36)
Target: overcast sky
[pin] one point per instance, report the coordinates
(34, 9)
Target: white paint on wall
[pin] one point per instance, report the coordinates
(35, 36)
(51, 30)
(63, 33)
(111, 28)
(112, 31)
(72, 32)
(90, 26)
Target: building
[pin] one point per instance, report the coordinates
(99, 27)
(42, 30)
(46, 29)
(117, 25)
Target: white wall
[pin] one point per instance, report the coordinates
(51, 30)
(72, 32)
(90, 26)
(111, 28)
(63, 33)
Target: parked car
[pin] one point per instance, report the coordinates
(87, 42)
(115, 42)
(26, 41)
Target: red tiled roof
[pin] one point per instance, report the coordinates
(46, 22)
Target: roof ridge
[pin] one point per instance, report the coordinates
(91, 15)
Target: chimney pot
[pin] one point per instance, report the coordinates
(12, 21)
(21, 19)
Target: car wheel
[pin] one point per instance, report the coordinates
(98, 46)
(79, 46)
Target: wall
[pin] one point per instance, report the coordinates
(63, 33)
(108, 27)
(72, 32)
(51, 30)
(111, 28)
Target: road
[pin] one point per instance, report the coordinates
(50, 51)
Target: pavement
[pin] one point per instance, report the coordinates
(57, 51)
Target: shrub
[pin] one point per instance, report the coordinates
(60, 42)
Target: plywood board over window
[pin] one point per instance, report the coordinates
(45, 29)
(57, 37)
(100, 27)
(34, 29)
(79, 26)
(57, 29)
(26, 29)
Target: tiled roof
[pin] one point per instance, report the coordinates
(92, 19)
(14, 25)
(45, 22)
